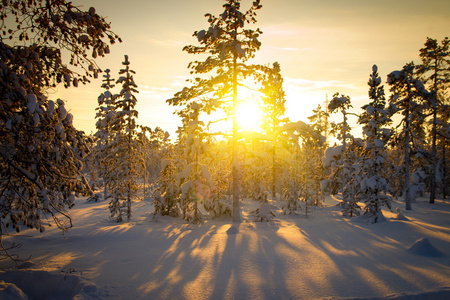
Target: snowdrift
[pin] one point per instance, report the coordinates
(319, 256)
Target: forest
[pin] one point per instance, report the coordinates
(215, 162)
(46, 162)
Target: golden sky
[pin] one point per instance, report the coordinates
(323, 46)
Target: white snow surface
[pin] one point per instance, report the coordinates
(322, 256)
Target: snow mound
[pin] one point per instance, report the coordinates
(9, 291)
(400, 216)
(424, 247)
(232, 230)
(20, 284)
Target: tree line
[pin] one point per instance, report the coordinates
(46, 162)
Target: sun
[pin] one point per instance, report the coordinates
(249, 116)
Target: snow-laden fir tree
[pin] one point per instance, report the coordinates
(194, 179)
(40, 150)
(319, 121)
(168, 192)
(104, 115)
(229, 45)
(124, 159)
(155, 143)
(218, 203)
(408, 95)
(435, 73)
(273, 106)
(348, 181)
(302, 181)
(374, 187)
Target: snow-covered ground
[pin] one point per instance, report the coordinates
(293, 257)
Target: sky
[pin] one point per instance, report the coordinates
(323, 47)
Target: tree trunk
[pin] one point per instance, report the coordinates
(407, 195)
(444, 175)
(433, 158)
(273, 170)
(236, 213)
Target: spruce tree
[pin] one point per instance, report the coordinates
(105, 115)
(123, 160)
(348, 181)
(229, 45)
(194, 179)
(273, 98)
(374, 118)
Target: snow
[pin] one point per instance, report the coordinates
(424, 247)
(324, 256)
(31, 103)
(331, 153)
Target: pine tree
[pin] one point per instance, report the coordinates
(435, 71)
(302, 181)
(218, 203)
(374, 187)
(407, 97)
(105, 115)
(124, 162)
(40, 150)
(273, 98)
(229, 46)
(348, 180)
(194, 179)
(167, 193)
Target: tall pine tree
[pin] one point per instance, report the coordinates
(435, 72)
(375, 117)
(229, 45)
(123, 160)
(407, 98)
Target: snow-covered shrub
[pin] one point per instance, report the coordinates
(167, 193)
(195, 179)
(218, 203)
(263, 213)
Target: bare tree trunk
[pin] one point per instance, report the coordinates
(407, 195)
(433, 157)
(273, 170)
(236, 213)
(444, 175)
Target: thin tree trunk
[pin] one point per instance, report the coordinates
(407, 195)
(444, 175)
(344, 157)
(236, 214)
(273, 170)
(433, 157)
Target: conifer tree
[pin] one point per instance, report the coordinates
(435, 72)
(124, 162)
(168, 192)
(374, 187)
(40, 150)
(407, 97)
(273, 99)
(342, 104)
(229, 46)
(194, 179)
(105, 114)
